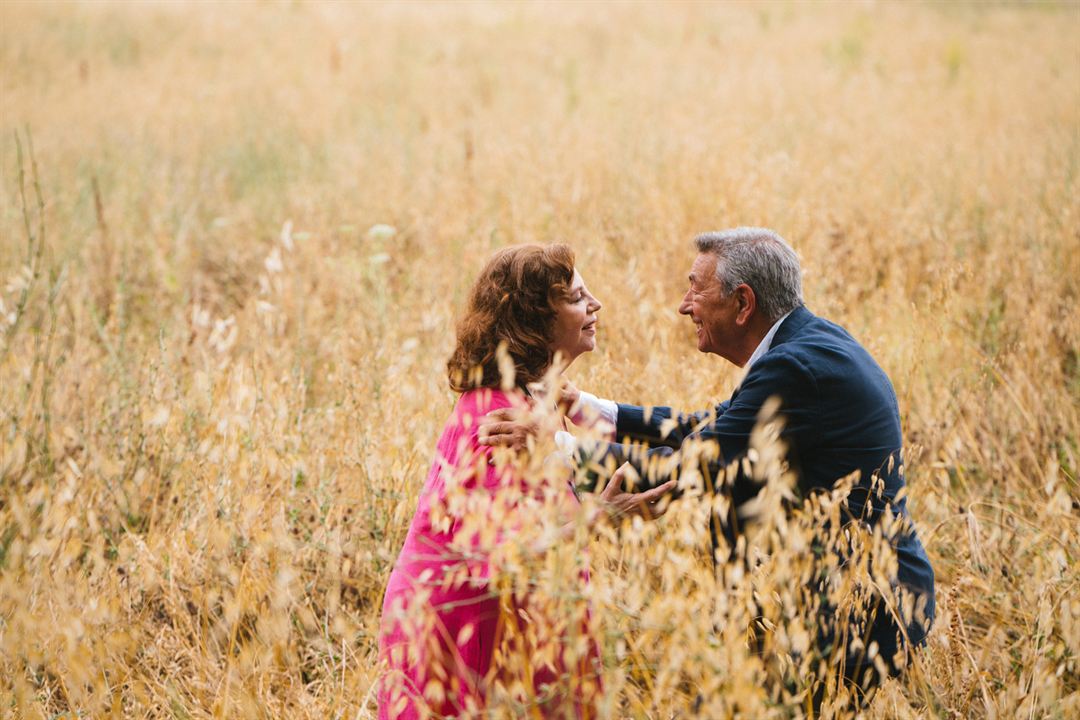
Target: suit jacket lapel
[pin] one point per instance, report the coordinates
(791, 325)
(794, 322)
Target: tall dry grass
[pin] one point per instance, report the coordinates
(222, 376)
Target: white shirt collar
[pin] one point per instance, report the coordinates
(766, 342)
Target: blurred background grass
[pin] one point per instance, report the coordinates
(223, 388)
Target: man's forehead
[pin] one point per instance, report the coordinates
(704, 267)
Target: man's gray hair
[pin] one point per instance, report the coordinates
(763, 260)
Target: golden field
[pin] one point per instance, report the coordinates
(225, 325)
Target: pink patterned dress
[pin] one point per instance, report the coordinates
(441, 619)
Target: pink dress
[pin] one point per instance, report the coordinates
(441, 619)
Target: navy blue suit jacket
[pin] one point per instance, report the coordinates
(840, 414)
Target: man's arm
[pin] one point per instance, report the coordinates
(661, 426)
(777, 374)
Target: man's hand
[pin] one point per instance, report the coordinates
(508, 427)
(649, 504)
(568, 397)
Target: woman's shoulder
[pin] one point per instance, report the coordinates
(488, 399)
(478, 402)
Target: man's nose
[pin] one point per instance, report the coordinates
(685, 306)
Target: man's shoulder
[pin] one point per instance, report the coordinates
(810, 334)
(823, 347)
(841, 366)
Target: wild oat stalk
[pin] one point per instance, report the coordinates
(217, 410)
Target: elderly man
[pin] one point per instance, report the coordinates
(838, 407)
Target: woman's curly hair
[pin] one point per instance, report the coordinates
(513, 301)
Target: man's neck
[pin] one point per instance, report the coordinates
(759, 328)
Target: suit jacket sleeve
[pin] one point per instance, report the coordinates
(661, 426)
(778, 373)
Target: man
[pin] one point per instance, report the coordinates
(839, 410)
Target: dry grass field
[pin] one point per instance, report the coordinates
(231, 264)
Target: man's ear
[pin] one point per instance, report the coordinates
(744, 295)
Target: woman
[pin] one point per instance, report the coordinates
(529, 312)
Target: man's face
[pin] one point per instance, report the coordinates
(712, 311)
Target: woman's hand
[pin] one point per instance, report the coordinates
(649, 503)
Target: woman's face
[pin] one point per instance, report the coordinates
(575, 322)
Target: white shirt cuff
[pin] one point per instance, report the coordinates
(591, 411)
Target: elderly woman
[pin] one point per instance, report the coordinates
(441, 617)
